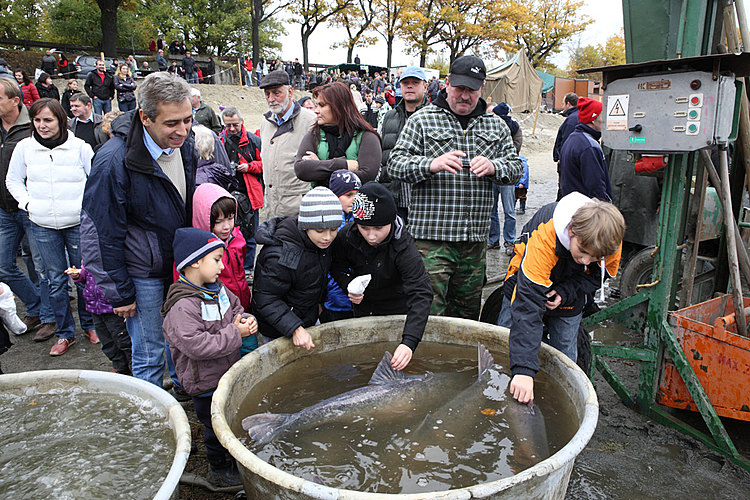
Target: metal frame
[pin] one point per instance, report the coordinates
(661, 295)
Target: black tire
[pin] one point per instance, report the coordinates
(584, 350)
(637, 271)
(492, 307)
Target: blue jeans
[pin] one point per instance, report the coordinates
(52, 245)
(145, 331)
(563, 330)
(249, 263)
(12, 228)
(192, 77)
(508, 196)
(126, 105)
(102, 106)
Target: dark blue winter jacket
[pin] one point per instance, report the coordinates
(131, 211)
(567, 127)
(582, 165)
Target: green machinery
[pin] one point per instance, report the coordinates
(688, 32)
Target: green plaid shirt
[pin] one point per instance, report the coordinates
(445, 206)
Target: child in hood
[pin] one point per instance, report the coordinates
(292, 268)
(377, 243)
(345, 185)
(214, 210)
(203, 325)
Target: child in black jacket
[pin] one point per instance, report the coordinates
(377, 243)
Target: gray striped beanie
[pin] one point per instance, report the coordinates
(320, 209)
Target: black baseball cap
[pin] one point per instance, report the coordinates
(467, 71)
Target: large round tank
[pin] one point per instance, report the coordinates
(111, 383)
(546, 480)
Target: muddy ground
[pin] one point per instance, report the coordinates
(629, 456)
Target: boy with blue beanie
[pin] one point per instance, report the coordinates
(204, 324)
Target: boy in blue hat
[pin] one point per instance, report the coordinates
(204, 324)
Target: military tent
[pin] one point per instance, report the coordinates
(516, 83)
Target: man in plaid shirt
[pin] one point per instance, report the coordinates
(452, 151)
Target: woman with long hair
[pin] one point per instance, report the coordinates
(45, 87)
(30, 92)
(125, 86)
(47, 175)
(341, 139)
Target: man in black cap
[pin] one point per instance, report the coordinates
(461, 150)
(281, 132)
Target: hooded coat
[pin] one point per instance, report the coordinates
(291, 278)
(233, 275)
(201, 334)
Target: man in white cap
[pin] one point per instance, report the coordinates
(452, 151)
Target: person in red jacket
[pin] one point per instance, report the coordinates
(30, 92)
(243, 149)
(214, 210)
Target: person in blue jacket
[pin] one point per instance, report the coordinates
(583, 168)
(139, 193)
(522, 188)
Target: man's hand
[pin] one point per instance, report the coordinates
(522, 388)
(450, 162)
(356, 299)
(481, 166)
(73, 272)
(553, 300)
(301, 338)
(401, 357)
(125, 311)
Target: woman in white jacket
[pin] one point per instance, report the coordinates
(47, 175)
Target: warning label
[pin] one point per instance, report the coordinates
(617, 112)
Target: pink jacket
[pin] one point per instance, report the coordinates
(233, 275)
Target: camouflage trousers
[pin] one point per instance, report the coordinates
(456, 271)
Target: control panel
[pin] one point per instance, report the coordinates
(672, 112)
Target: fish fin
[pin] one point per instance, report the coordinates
(485, 359)
(263, 427)
(384, 372)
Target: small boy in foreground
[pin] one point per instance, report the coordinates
(564, 253)
(204, 324)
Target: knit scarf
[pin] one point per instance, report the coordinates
(336, 145)
(52, 143)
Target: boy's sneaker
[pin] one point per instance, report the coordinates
(493, 246)
(91, 335)
(509, 249)
(226, 477)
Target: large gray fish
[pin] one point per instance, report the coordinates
(388, 392)
(525, 422)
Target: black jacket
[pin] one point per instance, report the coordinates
(50, 91)
(188, 64)
(370, 114)
(290, 279)
(567, 127)
(19, 131)
(96, 87)
(399, 283)
(66, 101)
(393, 122)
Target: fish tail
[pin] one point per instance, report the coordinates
(263, 427)
(485, 359)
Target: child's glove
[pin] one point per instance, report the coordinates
(358, 285)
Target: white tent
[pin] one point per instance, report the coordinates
(516, 83)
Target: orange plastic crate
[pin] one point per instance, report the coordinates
(719, 356)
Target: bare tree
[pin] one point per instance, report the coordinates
(260, 12)
(387, 21)
(311, 14)
(356, 19)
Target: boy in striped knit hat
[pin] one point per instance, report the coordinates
(292, 268)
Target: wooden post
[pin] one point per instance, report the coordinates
(239, 71)
(539, 106)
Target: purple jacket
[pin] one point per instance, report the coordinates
(96, 302)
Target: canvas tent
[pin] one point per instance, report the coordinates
(516, 83)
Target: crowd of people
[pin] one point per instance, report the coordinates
(153, 211)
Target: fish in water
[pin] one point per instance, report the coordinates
(525, 422)
(389, 392)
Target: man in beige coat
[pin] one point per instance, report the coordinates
(281, 132)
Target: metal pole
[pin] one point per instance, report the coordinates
(742, 19)
(734, 269)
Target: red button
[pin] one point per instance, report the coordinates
(694, 101)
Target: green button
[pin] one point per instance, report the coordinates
(693, 114)
(692, 128)
(638, 140)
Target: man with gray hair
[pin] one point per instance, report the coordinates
(281, 132)
(203, 113)
(139, 193)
